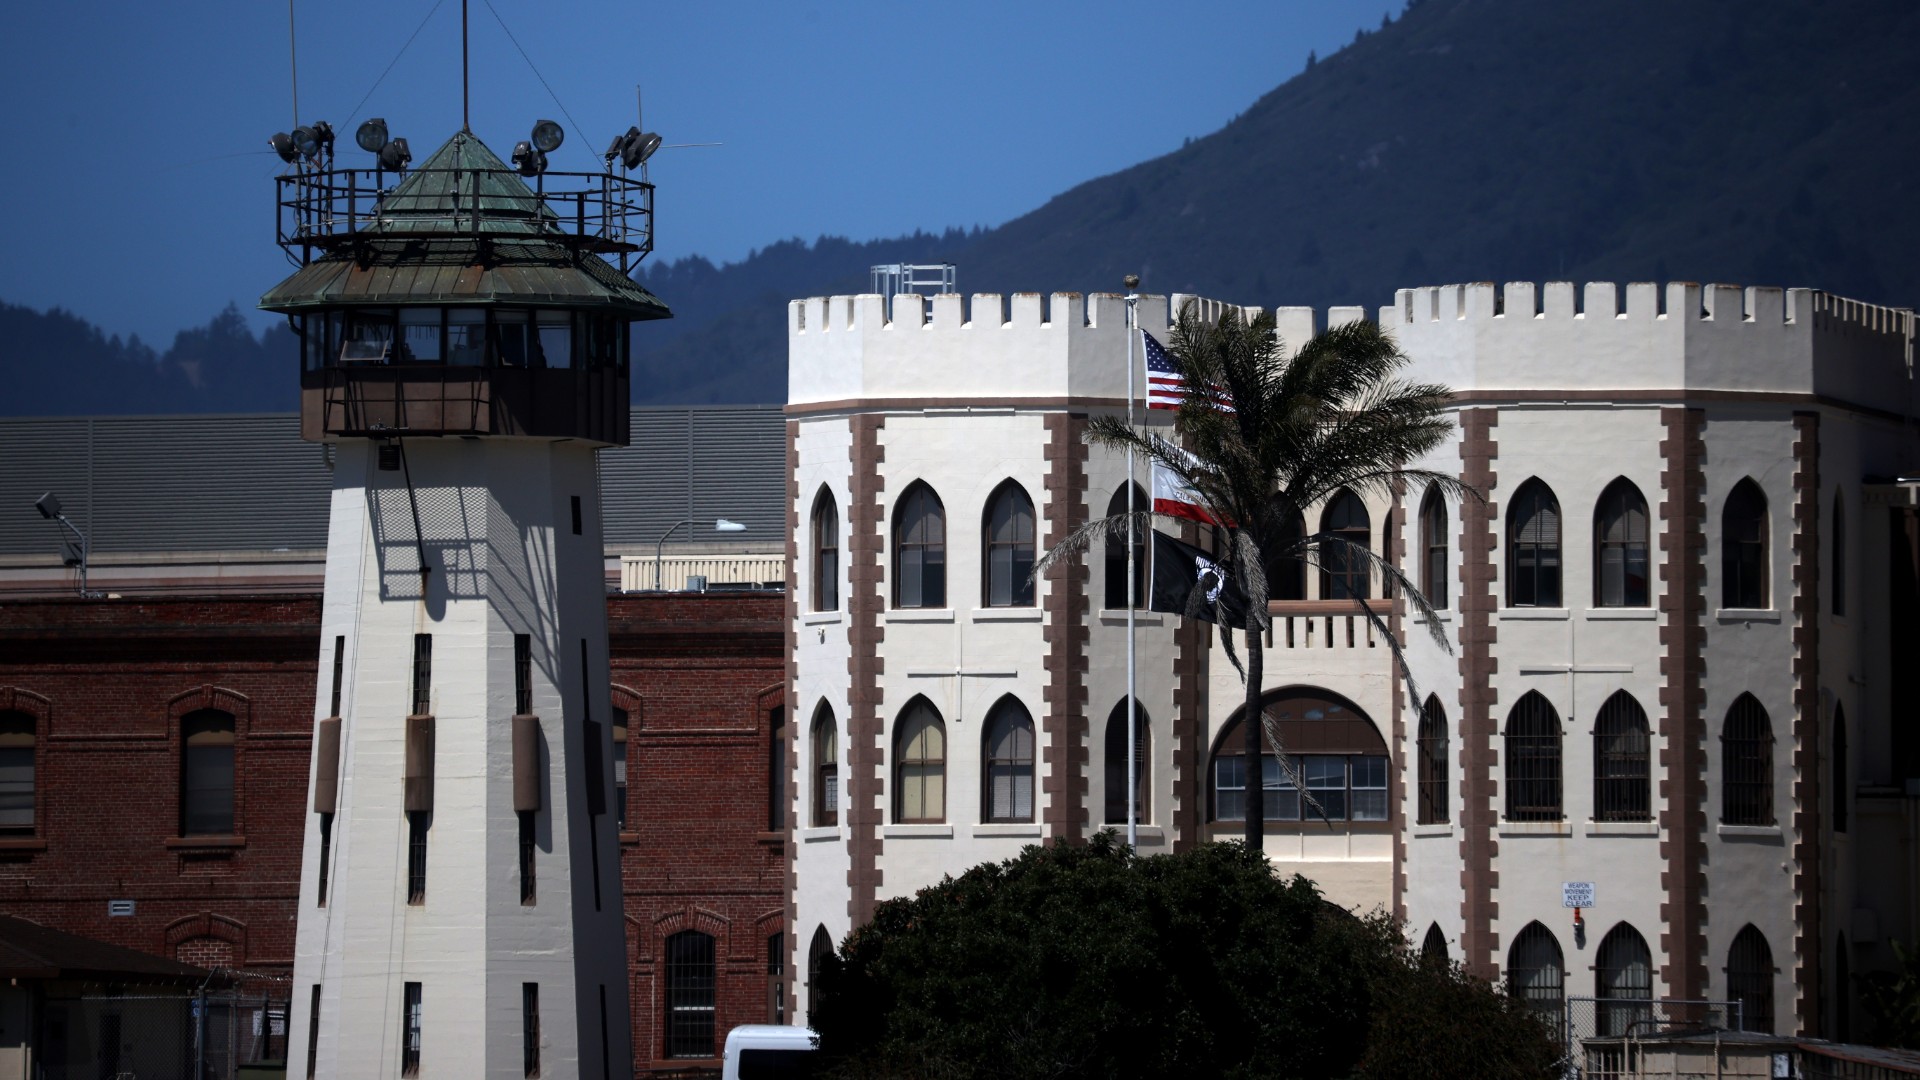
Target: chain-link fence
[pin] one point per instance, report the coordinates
(185, 1036)
(1615, 1021)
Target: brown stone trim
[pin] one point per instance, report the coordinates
(1807, 853)
(1683, 784)
(1479, 944)
(1192, 641)
(790, 964)
(1393, 548)
(1677, 398)
(1064, 755)
(866, 757)
(947, 404)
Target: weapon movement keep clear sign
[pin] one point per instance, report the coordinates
(1576, 894)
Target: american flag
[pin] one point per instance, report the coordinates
(1166, 389)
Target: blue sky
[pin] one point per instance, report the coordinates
(139, 191)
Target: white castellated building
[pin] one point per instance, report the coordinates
(1682, 626)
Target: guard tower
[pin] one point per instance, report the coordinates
(465, 328)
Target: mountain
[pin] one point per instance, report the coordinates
(1761, 143)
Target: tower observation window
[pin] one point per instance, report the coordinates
(474, 336)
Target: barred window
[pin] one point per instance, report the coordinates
(530, 1029)
(1007, 794)
(1435, 566)
(1344, 572)
(416, 857)
(1842, 797)
(1839, 560)
(920, 765)
(1433, 950)
(1536, 972)
(826, 552)
(777, 978)
(206, 773)
(1533, 548)
(1286, 571)
(410, 1026)
(819, 955)
(523, 674)
(826, 767)
(1620, 547)
(1622, 785)
(16, 774)
(1743, 548)
(622, 746)
(1116, 552)
(1623, 979)
(1533, 761)
(1746, 764)
(1750, 979)
(920, 550)
(1431, 755)
(422, 674)
(528, 886)
(1006, 532)
(1116, 764)
(690, 995)
(776, 767)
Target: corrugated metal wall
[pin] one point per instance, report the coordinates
(248, 482)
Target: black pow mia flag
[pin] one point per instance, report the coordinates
(1186, 581)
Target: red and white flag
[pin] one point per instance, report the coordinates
(1173, 497)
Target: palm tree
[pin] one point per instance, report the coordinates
(1261, 437)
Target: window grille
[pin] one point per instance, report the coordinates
(1533, 548)
(527, 891)
(16, 774)
(1743, 548)
(1536, 974)
(422, 674)
(313, 1033)
(1116, 764)
(920, 765)
(776, 768)
(1435, 571)
(622, 747)
(819, 954)
(522, 675)
(1344, 572)
(826, 552)
(1750, 979)
(1623, 979)
(1622, 785)
(1533, 760)
(339, 663)
(826, 768)
(1746, 759)
(690, 995)
(530, 1029)
(206, 774)
(1009, 771)
(777, 979)
(416, 857)
(326, 857)
(1842, 797)
(1116, 553)
(1620, 577)
(1839, 560)
(920, 550)
(410, 1026)
(1007, 562)
(1434, 772)
(1433, 950)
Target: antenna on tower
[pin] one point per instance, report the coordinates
(466, 123)
(293, 64)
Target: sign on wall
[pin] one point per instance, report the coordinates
(1576, 894)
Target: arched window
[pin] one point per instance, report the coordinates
(16, 774)
(1533, 760)
(1007, 793)
(1116, 764)
(1750, 979)
(621, 746)
(1340, 757)
(1435, 570)
(1839, 561)
(826, 767)
(1006, 561)
(206, 773)
(776, 768)
(1287, 573)
(1622, 785)
(1842, 795)
(1432, 756)
(920, 765)
(919, 550)
(1533, 548)
(1746, 764)
(826, 552)
(819, 955)
(1743, 548)
(1116, 552)
(1536, 973)
(1620, 547)
(1433, 950)
(690, 995)
(1623, 979)
(1345, 573)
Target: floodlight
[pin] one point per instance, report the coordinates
(723, 525)
(306, 141)
(323, 135)
(282, 144)
(529, 161)
(372, 135)
(48, 505)
(613, 148)
(547, 136)
(395, 155)
(637, 148)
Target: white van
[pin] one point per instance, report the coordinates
(768, 1052)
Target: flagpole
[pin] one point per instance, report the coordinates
(1133, 598)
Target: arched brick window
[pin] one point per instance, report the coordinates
(1431, 756)
(1750, 979)
(919, 549)
(920, 765)
(1007, 548)
(1536, 972)
(1007, 791)
(1533, 761)
(1533, 548)
(206, 773)
(1620, 561)
(690, 996)
(1116, 764)
(1743, 548)
(1622, 778)
(1746, 764)
(17, 773)
(1623, 979)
